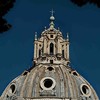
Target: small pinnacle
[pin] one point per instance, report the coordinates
(35, 35)
(45, 27)
(67, 36)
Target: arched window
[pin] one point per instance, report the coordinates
(51, 48)
(63, 53)
(39, 52)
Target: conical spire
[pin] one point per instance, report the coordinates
(52, 18)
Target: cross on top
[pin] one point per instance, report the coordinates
(52, 12)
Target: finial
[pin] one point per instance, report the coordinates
(67, 36)
(52, 18)
(52, 12)
(35, 35)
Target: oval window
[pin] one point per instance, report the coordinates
(47, 83)
(85, 89)
(12, 89)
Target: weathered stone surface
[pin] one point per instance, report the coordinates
(51, 77)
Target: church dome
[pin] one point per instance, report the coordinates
(50, 77)
(51, 81)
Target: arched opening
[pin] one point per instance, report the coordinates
(39, 52)
(63, 53)
(51, 48)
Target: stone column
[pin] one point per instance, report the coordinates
(35, 50)
(65, 51)
(59, 47)
(68, 50)
(45, 46)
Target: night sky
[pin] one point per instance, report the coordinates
(30, 16)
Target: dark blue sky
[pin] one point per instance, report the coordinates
(29, 16)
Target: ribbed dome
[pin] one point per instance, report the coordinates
(51, 78)
(54, 81)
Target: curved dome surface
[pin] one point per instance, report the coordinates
(51, 78)
(53, 81)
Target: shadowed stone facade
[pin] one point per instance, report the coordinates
(51, 77)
